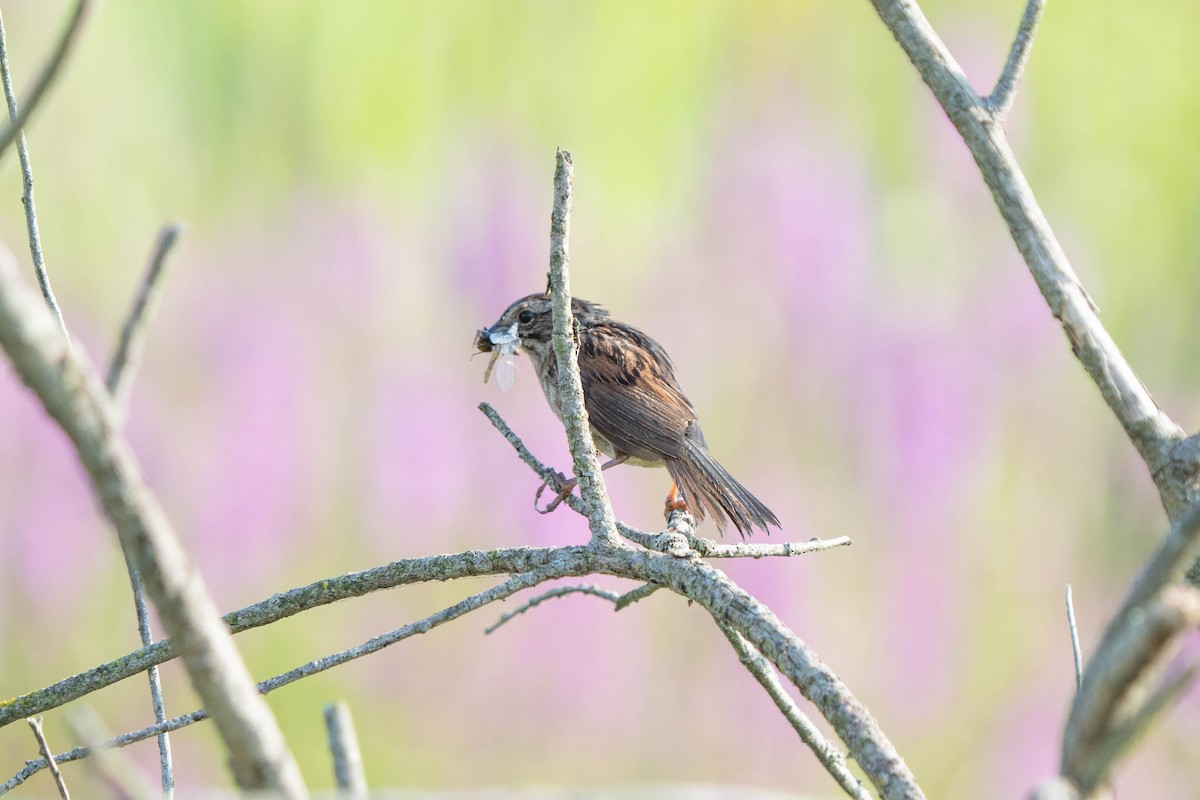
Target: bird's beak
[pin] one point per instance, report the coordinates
(487, 339)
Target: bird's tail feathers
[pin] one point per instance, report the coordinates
(710, 490)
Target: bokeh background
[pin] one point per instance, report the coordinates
(765, 187)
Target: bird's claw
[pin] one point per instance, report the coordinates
(563, 494)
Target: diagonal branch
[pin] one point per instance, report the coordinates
(125, 360)
(833, 759)
(49, 72)
(73, 396)
(1150, 430)
(44, 748)
(1000, 101)
(1111, 706)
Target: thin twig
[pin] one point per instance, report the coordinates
(48, 74)
(44, 749)
(707, 548)
(121, 372)
(1001, 98)
(124, 364)
(348, 775)
(550, 594)
(157, 704)
(31, 223)
(634, 595)
(597, 507)
(1074, 640)
(550, 476)
(74, 397)
(830, 756)
(35, 766)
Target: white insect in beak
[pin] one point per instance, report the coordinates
(506, 342)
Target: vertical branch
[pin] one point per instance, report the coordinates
(1078, 656)
(121, 372)
(348, 774)
(570, 388)
(31, 224)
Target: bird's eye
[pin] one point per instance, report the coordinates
(525, 317)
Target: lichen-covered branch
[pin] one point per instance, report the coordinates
(597, 507)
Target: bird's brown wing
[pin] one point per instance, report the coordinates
(630, 392)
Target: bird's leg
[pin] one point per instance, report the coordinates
(675, 502)
(567, 486)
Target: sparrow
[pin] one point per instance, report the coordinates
(637, 412)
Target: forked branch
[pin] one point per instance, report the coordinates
(1150, 430)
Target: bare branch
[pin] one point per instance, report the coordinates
(1111, 705)
(1150, 430)
(73, 396)
(544, 472)
(35, 766)
(165, 765)
(31, 223)
(47, 75)
(1074, 640)
(348, 774)
(123, 367)
(692, 578)
(44, 749)
(597, 508)
(679, 534)
(1117, 698)
(1000, 101)
(634, 595)
(550, 594)
(832, 758)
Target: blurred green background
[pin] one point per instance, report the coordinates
(764, 187)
